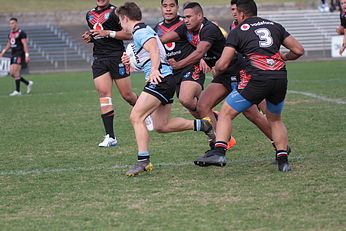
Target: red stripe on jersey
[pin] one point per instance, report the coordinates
(100, 18)
(172, 28)
(267, 63)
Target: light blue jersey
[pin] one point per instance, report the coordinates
(141, 34)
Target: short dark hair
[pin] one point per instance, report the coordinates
(14, 19)
(234, 2)
(194, 5)
(248, 7)
(176, 2)
(131, 10)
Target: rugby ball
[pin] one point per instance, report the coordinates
(134, 60)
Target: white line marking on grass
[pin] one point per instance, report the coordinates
(320, 97)
(21, 172)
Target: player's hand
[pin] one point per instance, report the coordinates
(99, 33)
(27, 59)
(173, 64)
(342, 49)
(155, 77)
(86, 37)
(125, 59)
(204, 66)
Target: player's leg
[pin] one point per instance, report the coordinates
(103, 85)
(275, 103)
(210, 97)
(15, 73)
(260, 120)
(235, 104)
(125, 89)
(189, 95)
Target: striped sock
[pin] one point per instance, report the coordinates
(143, 156)
(221, 146)
(281, 153)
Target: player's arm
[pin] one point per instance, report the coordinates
(295, 49)
(120, 35)
(152, 47)
(26, 49)
(224, 61)
(193, 58)
(7, 47)
(171, 36)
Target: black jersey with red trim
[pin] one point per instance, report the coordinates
(259, 40)
(15, 40)
(105, 19)
(177, 50)
(343, 19)
(208, 32)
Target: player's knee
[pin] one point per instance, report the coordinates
(106, 103)
(135, 118)
(203, 108)
(127, 96)
(188, 103)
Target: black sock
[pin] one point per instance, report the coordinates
(17, 85)
(26, 82)
(221, 146)
(107, 119)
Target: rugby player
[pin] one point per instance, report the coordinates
(17, 42)
(106, 34)
(259, 40)
(189, 79)
(157, 96)
(209, 43)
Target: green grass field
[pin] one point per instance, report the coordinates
(54, 177)
(50, 5)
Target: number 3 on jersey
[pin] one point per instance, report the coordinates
(265, 37)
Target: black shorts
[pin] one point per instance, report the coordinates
(17, 59)
(113, 65)
(264, 87)
(190, 73)
(164, 91)
(228, 80)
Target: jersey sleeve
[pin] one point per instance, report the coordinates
(232, 39)
(209, 34)
(283, 32)
(181, 31)
(143, 35)
(23, 35)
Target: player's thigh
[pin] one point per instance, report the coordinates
(161, 115)
(15, 69)
(189, 90)
(103, 84)
(145, 105)
(212, 95)
(124, 85)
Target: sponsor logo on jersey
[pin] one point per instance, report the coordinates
(170, 46)
(90, 17)
(106, 16)
(270, 62)
(98, 26)
(245, 27)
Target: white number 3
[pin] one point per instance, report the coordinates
(265, 37)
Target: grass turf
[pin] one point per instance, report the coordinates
(53, 175)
